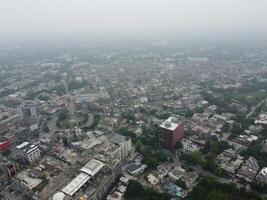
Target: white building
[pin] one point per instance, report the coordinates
(120, 147)
(189, 146)
(87, 173)
(92, 167)
(30, 151)
(152, 179)
(262, 176)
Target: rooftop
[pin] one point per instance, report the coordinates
(171, 123)
(76, 184)
(23, 145)
(117, 139)
(27, 147)
(92, 167)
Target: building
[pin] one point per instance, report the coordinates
(170, 132)
(96, 178)
(262, 175)
(152, 179)
(76, 184)
(173, 189)
(30, 151)
(87, 173)
(189, 146)
(4, 145)
(92, 167)
(248, 170)
(135, 169)
(120, 147)
(8, 169)
(29, 112)
(12, 169)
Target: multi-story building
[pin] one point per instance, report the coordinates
(12, 169)
(120, 147)
(29, 112)
(170, 132)
(189, 146)
(94, 181)
(30, 151)
(8, 169)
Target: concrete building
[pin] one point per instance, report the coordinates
(92, 167)
(135, 169)
(29, 112)
(94, 181)
(189, 146)
(120, 147)
(12, 169)
(30, 151)
(81, 181)
(76, 184)
(170, 132)
(8, 169)
(262, 175)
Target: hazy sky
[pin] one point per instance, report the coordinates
(114, 18)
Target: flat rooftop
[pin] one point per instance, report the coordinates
(171, 123)
(23, 145)
(76, 184)
(92, 167)
(117, 139)
(27, 147)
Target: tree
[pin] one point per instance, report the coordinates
(199, 110)
(45, 127)
(65, 142)
(135, 191)
(43, 97)
(6, 152)
(192, 158)
(218, 195)
(189, 113)
(128, 116)
(179, 145)
(181, 183)
(211, 189)
(95, 121)
(164, 115)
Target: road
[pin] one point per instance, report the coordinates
(253, 109)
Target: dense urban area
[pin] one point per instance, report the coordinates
(134, 121)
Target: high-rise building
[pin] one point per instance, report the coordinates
(120, 147)
(29, 112)
(170, 132)
(30, 151)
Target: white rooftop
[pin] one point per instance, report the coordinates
(92, 167)
(21, 146)
(171, 123)
(264, 171)
(59, 196)
(76, 184)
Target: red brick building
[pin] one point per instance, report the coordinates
(170, 132)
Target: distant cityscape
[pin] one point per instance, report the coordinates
(154, 121)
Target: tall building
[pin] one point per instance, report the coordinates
(120, 147)
(29, 112)
(170, 132)
(30, 151)
(12, 169)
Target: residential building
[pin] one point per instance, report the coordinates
(189, 146)
(30, 151)
(262, 175)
